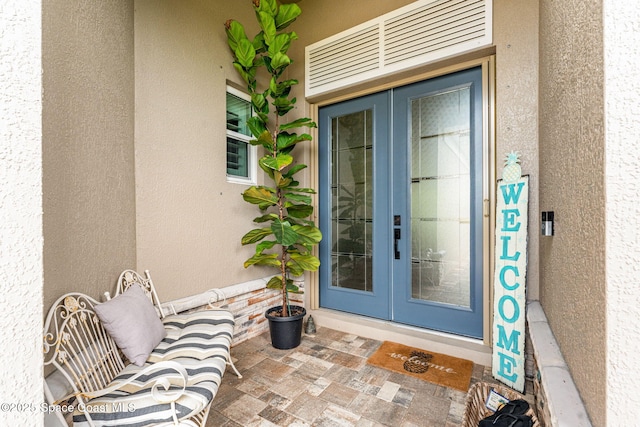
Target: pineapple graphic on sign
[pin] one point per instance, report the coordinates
(512, 170)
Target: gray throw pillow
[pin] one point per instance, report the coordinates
(132, 322)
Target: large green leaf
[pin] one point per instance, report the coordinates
(235, 33)
(266, 168)
(305, 262)
(268, 25)
(280, 180)
(295, 269)
(263, 259)
(245, 53)
(281, 43)
(307, 222)
(265, 245)
(279, 60)
(278, 163)
(268, 6)
(286, 15)
(299, 198)
(265, 218)
(299, 211)
(305, 121)
(304, 190)
(284, 232)
(294, 169)
(283, 105)
(277, 90)
(256, 126)
(263, 116)
(256, 235)
(286, 140)
(275, 282)
(261, 196)
(273, 87)
(305, 137)
(293, 288)
(258, 43)
(259, 102)
(281, 89)
(308, 235)
(265, 140)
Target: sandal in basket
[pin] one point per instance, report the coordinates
(507, 420)
(514, 407)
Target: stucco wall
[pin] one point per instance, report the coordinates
(622, 92)
(189, 219)
(87, 126)
(572, 168)
(515, 35)
(21, 213)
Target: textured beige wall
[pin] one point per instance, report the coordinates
(21, 240)
(88, 176)
(321, 19)
(515, 35)
(189, 219)
(573, 281)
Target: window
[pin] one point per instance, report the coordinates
(240, 154)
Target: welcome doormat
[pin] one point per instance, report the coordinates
(436, 368)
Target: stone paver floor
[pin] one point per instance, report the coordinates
(327, 382)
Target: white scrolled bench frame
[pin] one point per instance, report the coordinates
(94, 360)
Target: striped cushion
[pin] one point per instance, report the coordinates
(200, 342)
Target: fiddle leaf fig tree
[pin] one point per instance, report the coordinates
(286, 236)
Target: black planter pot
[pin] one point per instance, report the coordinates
(286, 332)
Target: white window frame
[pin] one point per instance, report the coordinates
(252, 152)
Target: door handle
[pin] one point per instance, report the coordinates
(396, 237)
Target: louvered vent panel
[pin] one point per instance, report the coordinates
(429, 28)
(422, 32)
(347, 56)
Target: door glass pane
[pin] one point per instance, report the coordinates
(352, 200)
(440, 197)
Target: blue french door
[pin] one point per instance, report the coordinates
(355, 198)
(401, 204)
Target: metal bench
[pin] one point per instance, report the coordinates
(175, 385)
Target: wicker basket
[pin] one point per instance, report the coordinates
(475, 409)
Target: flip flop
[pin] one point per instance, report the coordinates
(514, 407)
(507, 420)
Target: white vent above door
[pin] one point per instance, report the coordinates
(422, 32)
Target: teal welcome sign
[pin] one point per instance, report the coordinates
(510, 272)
